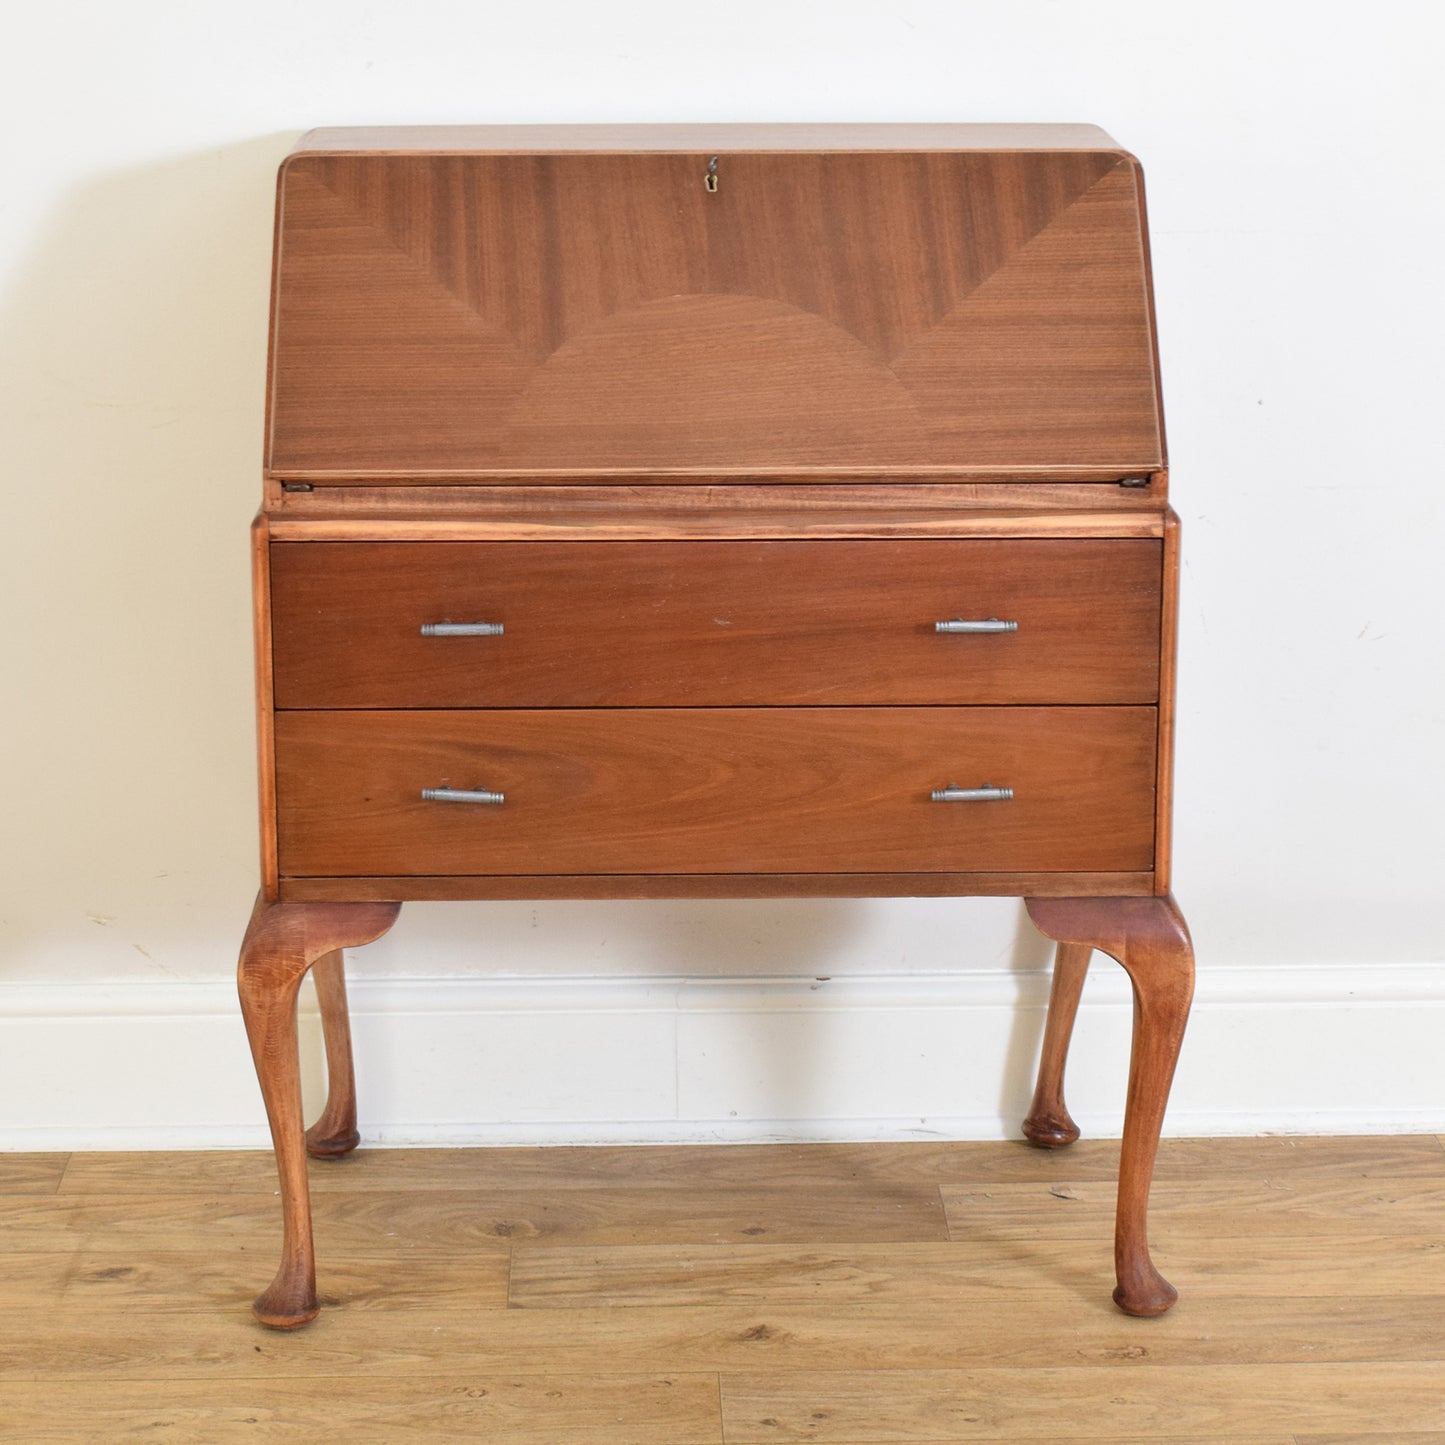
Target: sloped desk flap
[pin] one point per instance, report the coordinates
(806, 315)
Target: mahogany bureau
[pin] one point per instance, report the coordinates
(726, 511)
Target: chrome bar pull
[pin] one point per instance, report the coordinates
(986, 794)
(983, 624)
(461, 795)
(462, 629)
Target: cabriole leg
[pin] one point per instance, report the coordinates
(1149, 938)
(1048, 1124)
(282, 942)
(335, 1132)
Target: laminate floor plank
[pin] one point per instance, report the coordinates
(134, 1279)
(32, 1173)
(967, 1269)
(1218, 1403)
(95, 1339)
(772, 1166)
(848, 1294)
(1394, 1437)
(536, 1410)
(1208, 1208)
(459, 1219)
(34, 1279)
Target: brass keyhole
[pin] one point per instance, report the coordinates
(710, 180)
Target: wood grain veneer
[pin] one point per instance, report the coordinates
(416, 888)
(492, 315)
(265, 701)
(657, 624)
(731, 510)
(282, 942)
(1168, 668)
(716, 790)
(1149, 938)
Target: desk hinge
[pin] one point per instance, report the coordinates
(296, 487)
(1134, 481)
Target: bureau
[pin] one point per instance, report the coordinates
(713, 512)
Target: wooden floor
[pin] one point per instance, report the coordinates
(839, 1293)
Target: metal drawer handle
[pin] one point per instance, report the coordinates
(984, 624)
(461, 795)
(462, 629)
(986, 794)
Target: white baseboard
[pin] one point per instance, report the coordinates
(1327, 1049)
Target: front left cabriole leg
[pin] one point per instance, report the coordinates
(281, 943)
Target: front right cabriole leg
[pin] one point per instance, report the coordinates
(1148, 936)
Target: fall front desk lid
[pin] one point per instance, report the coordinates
(736, 302)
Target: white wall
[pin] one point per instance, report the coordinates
(1292, 153)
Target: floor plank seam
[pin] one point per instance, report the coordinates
(60, 1177)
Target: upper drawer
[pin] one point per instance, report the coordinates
(655, 624)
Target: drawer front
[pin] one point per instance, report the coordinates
(718, 790)
(715, 624)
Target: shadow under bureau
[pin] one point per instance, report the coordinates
(721, 511)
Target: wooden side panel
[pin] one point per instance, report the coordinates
(265, 703)
(716, 790)
(489, 316)
(1168, 666)
(657, 624)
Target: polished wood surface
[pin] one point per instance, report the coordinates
(668, 513)
(645, 1296)
(717, 885)
(1149, 937)
(1048, 1124)
(1084, 507)
(265, 701)
(335, 1132)
(281, 943)
(469, 524)
(697, 624)
(538, 513)
(601, 315)
(1168, 703)
(716, 790)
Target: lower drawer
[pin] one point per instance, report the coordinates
(715, 790)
